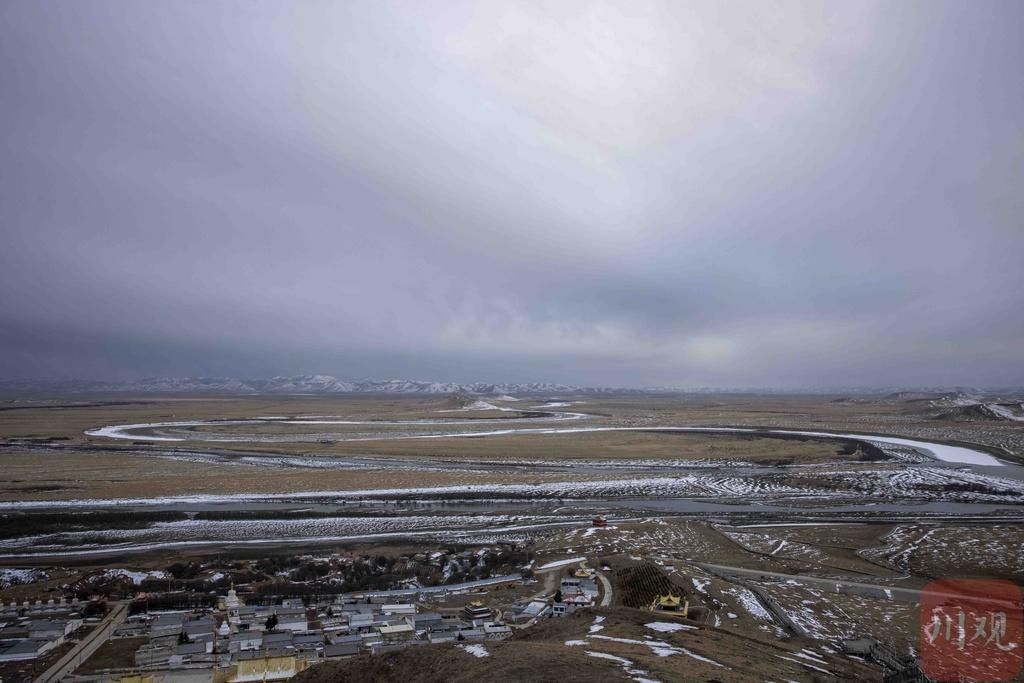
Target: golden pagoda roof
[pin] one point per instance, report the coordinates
(669, 600)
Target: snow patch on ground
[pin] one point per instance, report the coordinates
(638, 675)
(561, 563)
(660, 648)
(805, 663)
(750, 603)
(476, 650)
(136, 577)
(698, 657)
(624, 641)
(667, 627)
(18, 577)
(604, 655)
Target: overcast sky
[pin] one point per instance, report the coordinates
(616, 193)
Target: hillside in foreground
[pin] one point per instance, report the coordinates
(607, 644)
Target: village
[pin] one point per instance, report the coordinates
(125, 634)
(615, 592)
(31, 630)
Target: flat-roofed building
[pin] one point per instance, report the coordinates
(393, 632)
(30, 648)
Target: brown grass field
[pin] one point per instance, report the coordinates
(100, 468)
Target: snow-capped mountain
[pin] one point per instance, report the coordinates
(326, 384)
(299, 384)
(997, 412)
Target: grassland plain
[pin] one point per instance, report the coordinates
(47, 455)
(27, 418)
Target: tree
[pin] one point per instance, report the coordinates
(558, 595)
(95, 608)
(271, 622)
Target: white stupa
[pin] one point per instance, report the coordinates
(232, 601)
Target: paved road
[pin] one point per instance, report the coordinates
(444, 588)
(606, 598)
(86, 646)
(873, 590)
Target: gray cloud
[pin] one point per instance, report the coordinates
(792, 193)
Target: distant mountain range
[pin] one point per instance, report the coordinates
(326, 384)
(299, 384)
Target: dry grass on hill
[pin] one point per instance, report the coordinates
(540, 653)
